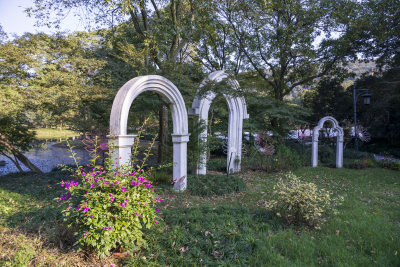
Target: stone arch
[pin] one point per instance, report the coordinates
(119, 120)
(339, 141)
(237, 112)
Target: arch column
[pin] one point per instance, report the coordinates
(314, 155)
(122, 146)
(179, 142)
(339, 151)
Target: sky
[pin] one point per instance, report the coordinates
(14, 20)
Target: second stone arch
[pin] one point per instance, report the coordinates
(237, 112)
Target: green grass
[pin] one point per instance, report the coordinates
(50, 133)
(209, 185)
(218, 230)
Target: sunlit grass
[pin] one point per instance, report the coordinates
(51, 133)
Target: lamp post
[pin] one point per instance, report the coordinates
(367, 100)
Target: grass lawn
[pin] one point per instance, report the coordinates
(50, 133)
(213, 230)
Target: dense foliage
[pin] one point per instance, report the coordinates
(108, 207)
(301, 202)
(274, 49)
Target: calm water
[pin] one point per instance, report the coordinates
(46, 159)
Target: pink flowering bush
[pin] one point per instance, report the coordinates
(110, 206)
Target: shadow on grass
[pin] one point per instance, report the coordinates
(33, 186)
(208, 185)
(206, 235)
(27, 203)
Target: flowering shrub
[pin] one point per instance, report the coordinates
(109, 206)
(301, 203)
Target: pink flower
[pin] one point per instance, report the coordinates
(103, 146)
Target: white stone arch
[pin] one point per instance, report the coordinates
(237, 112)
(119, 120)
(339, 141)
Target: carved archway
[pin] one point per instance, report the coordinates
(237, 112)
(339, 141)
(119, 120)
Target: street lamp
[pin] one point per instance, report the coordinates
(367, 100)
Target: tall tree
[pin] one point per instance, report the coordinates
(15, 138)
(329, 98)
(288, 43)
(374, 31)
(164, 30)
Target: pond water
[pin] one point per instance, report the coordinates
(45, 158)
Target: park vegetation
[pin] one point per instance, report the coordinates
(296, 61)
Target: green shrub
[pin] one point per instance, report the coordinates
(389, 164)
(207, 185)
(301, 203)
(326, 154)
(217, 164)
(285, 158)
(361, 164)
(352, 154)
(161, 177)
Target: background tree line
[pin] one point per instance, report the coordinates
(272, 48)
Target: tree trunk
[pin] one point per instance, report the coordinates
(18, 155)
(162, 131)
(13, 160)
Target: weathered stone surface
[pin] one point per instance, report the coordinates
(339, 142)
(119, 119)
(237, 112)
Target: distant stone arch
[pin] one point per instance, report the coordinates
(119, 120)
(339, 141)
(237, 112)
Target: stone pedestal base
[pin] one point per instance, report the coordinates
(120, 148)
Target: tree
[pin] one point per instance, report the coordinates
(163, 33)
(15, 138)
(374, 30)
(382, 116)
(62, 84)
(279, 40)
(329, 98)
